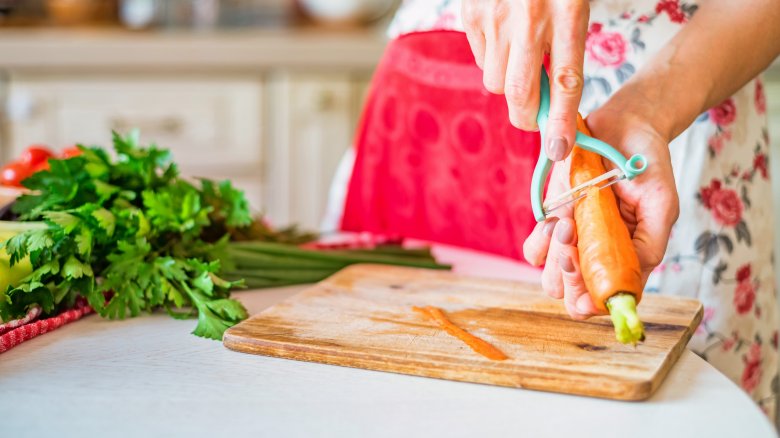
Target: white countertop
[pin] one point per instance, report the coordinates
(149, 377)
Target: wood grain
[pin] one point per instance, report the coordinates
(362, 317)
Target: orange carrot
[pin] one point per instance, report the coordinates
(608, 261)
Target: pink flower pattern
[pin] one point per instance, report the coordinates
(752, 372)
(725, 113)
(606, 48)
(760, 97)
(672, 9)
(724, 203)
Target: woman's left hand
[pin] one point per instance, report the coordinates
(510, 38)
(648, 204)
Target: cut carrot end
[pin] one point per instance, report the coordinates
(628, 327)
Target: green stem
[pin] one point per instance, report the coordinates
(397, 250)
(261, 283)
(256, 260)
(283, 274)
(628, 327)
(336, 256)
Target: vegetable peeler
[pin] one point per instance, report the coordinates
(624, 168)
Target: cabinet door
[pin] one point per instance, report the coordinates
(312, 120)
(212, 125)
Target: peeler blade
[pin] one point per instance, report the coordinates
(606, 180)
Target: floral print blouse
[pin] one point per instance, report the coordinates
(721, 249)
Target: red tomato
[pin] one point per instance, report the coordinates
(70, 152)
(35, 155)
(41, 166)
(14, 173)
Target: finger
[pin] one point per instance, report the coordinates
(566, 64)
(575, 295)
(477, 43)
(653, 228)
(559, 184)
(536, 245)
(522, 83)
(496, 54)
(472, 23)
(571, 280)
(552, 281)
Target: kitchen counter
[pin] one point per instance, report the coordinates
(94, 50)
(240, 50)
(149, 377)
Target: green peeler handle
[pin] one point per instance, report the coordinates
(631, 167)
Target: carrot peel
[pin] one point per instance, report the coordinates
(479, 345)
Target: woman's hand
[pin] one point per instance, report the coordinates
(648, 204)
(510, 38)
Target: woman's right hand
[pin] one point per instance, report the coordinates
(510, 38)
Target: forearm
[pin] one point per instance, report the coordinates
(725, 45)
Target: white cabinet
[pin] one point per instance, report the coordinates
(279, 137)
(312, 119)
(213, 126)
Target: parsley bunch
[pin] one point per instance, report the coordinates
(126, 233)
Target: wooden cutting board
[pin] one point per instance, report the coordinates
(362, 317)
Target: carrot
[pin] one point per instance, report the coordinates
(479, 345)
(608, 261)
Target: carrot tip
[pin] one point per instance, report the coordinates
(628, 327)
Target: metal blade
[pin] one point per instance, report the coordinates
(606, 180)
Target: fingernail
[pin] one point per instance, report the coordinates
(556, 149)
(583, 306)
(549, 226)
(565, 233)
(566, 263)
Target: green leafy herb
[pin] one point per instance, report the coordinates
(126, 233)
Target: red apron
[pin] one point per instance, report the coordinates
(437, 158)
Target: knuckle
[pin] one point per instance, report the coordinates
(518, 92)
(569, 298)
(471, 17)
(560, 118)
(500, 11)
(568, 80)
(531, 254)
(654, 258)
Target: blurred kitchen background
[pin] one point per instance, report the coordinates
(265, 92)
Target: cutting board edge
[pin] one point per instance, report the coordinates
(674, 355)
(631, 390)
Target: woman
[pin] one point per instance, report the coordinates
(673, 80)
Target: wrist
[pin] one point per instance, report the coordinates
(663, 95)
(641, 101)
